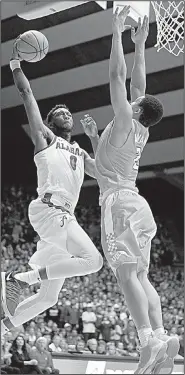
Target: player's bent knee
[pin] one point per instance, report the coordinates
(52, 300)
(125, 272)
(48, 299)
(97, 262)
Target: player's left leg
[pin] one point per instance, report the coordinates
(45, 298)
(155, 315)
(152, 349)
(86, 259)
(127, 226)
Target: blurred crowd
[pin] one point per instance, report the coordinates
(91, 315)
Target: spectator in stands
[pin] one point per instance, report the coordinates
(105, 328)
(43, 357)
(21, 358)
(6, 367)
(89, 320)
(80, 347)
(48, 339)
(30, 336)
(101, 348)
(72, 337)
(120, 349)
(49, 326)
(74, 315)
(111, 349)
(55, 345)
(131, 338)
(64, 346)
(53, 313)
(92, 345)
(131, 351)
(99, 318)
(55, 329)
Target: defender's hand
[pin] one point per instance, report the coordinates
(118, 21)
(89, 126)
(141, 34)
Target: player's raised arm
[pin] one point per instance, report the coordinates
(40, 134)
(117, 76)
(90, 128)
(138, 76)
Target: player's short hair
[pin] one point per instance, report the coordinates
(50, 114)
(152, 111)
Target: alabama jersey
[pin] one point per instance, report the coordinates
(60, 170)
(117, 167)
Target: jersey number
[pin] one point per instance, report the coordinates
(73, 161)
(136, 160)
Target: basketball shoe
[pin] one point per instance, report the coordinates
(11, 289)
(150, 354)
(165, 366)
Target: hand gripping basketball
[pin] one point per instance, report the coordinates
(31, 46)
(15, 54)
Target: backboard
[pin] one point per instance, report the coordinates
(138, 8)
(33, 9)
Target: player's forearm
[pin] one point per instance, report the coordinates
(30, 104)
(138, 76)
(94, 142)
(117, 65)
(20, 80)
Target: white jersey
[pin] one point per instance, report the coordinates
(60, 170)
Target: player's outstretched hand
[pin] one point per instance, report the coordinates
(89, 126)
(141, 34)
(15, 54)
(118, 21)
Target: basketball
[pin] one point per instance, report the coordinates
(32, 46)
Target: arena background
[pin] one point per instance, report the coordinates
(75, 72)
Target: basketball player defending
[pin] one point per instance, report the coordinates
(126, 219)
(64, 249)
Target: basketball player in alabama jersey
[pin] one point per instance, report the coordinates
(127, 222)
(64, 249)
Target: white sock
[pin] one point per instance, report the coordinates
(144, 334)
(159, 331)
(30, 277)
(4, 329)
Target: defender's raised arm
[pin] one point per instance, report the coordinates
(117, 76)
(138, 76)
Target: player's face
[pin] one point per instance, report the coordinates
(62, 118)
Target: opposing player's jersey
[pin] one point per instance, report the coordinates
(60, 169)
(118, 166)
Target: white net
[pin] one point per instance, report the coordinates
(170, 25)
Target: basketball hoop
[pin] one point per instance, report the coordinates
(170, 25)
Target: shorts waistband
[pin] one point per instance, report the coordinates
(108, 192)
(64, 205)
